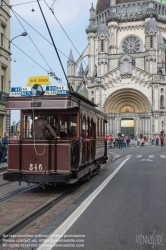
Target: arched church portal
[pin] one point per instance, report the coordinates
(128, 111)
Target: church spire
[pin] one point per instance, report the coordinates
(71, 58)
(81, 70)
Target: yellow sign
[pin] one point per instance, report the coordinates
(127, 123)
(42, 80)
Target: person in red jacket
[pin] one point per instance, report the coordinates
(162, 141)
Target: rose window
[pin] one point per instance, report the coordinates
(131, 45)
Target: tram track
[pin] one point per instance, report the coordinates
(16, 192)
(30, 217)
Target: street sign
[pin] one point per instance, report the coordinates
(50, 88)
(62, 92)
(16, 89)
(15, 93)
(26, 93)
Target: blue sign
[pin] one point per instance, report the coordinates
(62, 92)
(16, 89)
(26, 93)
(50, 88)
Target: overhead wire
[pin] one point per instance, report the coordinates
(38, 32)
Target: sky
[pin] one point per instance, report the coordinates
(73, 15)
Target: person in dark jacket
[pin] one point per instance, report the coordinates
(120, 142)
(5, 148)
(38, 128)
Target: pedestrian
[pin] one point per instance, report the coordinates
(128, 142)
(114, 142)
(157, 141)
(5, 143)
(138, 141)
(120, 142)
(162, 141)
(152, 141)
(142, 142)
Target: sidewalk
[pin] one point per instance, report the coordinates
(3, 165)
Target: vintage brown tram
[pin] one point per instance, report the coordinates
(67, 159)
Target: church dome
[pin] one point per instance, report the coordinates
(105, 4)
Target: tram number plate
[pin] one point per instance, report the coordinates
(35, 167)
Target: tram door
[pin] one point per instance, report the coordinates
(127, 127)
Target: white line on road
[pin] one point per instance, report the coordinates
(163, 156)
(61, 230)
(139, 156)
(151, 156)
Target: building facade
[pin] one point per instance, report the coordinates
(4, 66)
(126, 72)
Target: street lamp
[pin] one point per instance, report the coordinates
(23, 34)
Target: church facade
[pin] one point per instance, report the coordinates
(126, 71)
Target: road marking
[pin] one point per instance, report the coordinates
(139, 156)
(146, 160)
(128, 156)
(163, 156)
(151, 156)
(62, 229)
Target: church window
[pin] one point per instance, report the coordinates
(156, 7)
(124, 10)
(151, 42)
(144, 7)
(129, 9)
(133, 9)
(163, 11)
(131, 45)
(162, 101)
(102, 45)
(119, 10)
(162, 90)
(139, 8)
(159, 10)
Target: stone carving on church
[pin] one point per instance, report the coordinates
(102, 30)
(126, 65)
(151, 27)
(131, 44)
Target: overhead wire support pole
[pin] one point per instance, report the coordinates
(54, 45)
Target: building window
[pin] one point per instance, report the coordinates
(131, 45)
(162, 101)
(151, 42)
(124, 10)
(139, 8)
(1, 2)
(134, 9)
(162, 90)
(144, 7)
(2, 86)
(128, 9)
(163, 11)
(119, 10)
(102, 45)
(159, 10)
(2, 35)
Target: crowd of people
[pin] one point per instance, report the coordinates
(139, 141)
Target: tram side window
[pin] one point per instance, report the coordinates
(97, 128)
(84, 133)
(68, 126)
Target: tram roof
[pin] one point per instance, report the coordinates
(72, 100)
